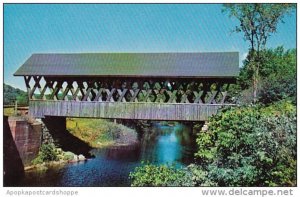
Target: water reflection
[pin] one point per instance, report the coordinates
(111, 166)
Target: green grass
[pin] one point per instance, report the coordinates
(9, 111)
(96, 132)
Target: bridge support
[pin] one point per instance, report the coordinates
(56, 128)
(26, 137)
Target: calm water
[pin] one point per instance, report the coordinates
(111, 167)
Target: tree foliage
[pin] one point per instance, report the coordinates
(277, 74)
(257, 22)
(11, 94)
(159, 176)
(166, 175)
(46, 153)
(251, 146)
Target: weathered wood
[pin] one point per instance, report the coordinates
(172, 96)
(224, 94)
(184, 98)
(99, 95)
(120, 110)
(213, 95)
(56, 90)
(42, 91)
(137, 90)
(198, 97)
(121, 94)
(27, 80)
(75, 93)
(110, 95)
(134, 94)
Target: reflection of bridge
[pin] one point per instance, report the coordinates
(153, 86)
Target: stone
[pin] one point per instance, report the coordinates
(26, 137)
(75, 158)
(205, 127)
(81, 157)
(29, 167)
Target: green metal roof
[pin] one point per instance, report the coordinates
(200, 65)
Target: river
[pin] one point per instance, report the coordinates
(172, 144)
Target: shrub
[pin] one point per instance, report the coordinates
(199, 176)
(47, 153)
(278, 88)
(250, 146)
(68, 156)
(163, 175)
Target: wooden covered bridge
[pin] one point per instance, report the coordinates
(150, 86)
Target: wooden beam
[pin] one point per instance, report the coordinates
(120, 110)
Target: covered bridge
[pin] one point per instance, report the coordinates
(149, 86)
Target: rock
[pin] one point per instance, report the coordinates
(55, 163)
(61, 161)
(205, 127)
(75, 158)
(29, 167)
(81, 158)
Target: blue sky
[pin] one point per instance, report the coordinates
(52, 28)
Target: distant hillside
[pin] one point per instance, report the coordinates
(12, 94)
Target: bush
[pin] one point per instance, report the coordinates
(199, 176)
(47, 153)
(278, 88)
(68, 156)
(250, 146)
(163, 175)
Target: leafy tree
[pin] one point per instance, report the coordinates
(257, 22)
(12, 94)
(277, 74)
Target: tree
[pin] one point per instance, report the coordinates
(277, 76)
(257, 22)
(11, 94)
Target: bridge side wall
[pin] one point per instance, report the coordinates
(27, 138)
(119, 110)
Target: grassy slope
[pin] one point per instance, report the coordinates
(97, 132)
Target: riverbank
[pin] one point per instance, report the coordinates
(49, 155)
(96, 133)
(99, 133)
(111, 166)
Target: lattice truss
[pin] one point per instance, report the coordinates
(127, 90)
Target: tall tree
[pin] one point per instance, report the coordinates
(257, 22)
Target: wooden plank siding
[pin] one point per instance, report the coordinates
(121, 110)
